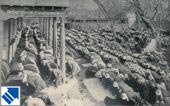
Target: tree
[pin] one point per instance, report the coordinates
(141, 21)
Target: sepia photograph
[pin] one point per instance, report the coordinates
(85, 52)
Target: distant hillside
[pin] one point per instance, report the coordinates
(83, 9)
(88, 8)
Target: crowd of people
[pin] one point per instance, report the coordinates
(141, 80)
(164, 40)
(34, 66)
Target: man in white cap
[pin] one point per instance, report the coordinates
(133, 97)
(31, 67)
(124, 97)
(30, 101)
(72, 67)
(159, 97)
(30, 47)
(95, 58)
(17, 67)
(113, 76)
(33, 80)
(99, 74)
(58, 76)
(26, 59)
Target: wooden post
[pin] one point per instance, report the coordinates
(15, 25)
(40, 24)
(21, 21)
(43, 20)
(47, 24)
(10, 37)
(55, 37)
(6, 40)
(1, 45)
(18, 21)
(18, 27)
(50, 37)
(49, 30)
(15, 29)
(62, 63)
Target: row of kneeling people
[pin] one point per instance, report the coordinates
(122, 53)
(133, 87)
(49, 63)
(123, 56)
(24, 64)
(24, 69)
(145, 81)
(33, 59)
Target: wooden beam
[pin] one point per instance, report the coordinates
(55, 3)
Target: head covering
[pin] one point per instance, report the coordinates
(107, 76)
(125, 75)
(23, 53)
(124, 96)
(109, 65)
(121, 76)
(101, 53)
(115, 84)
(161, 72)
(116, 70)
(17, 66)
(163, 85)
(151, 77)
(98, 74)
(168, 74)
(94, 64)
(158, 92)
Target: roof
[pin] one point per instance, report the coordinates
(55, 3)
